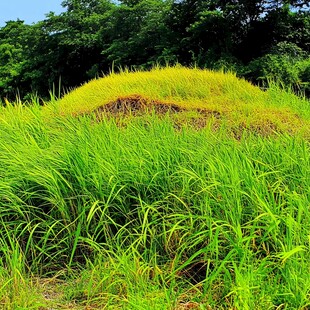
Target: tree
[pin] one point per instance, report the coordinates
(12, 61)
(137, 34)
(91, 35)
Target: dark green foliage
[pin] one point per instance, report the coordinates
(269, 38)
(12, 56)
(286, 64)
(137, 35)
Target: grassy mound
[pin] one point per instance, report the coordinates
(156, 214)
(231, 101)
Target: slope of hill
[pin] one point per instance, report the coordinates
(170, 189)
(218, 96)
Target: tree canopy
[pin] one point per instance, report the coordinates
(92, 36)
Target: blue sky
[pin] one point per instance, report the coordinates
(30, 11)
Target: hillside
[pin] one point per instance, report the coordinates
(218, 97)
(170, 189)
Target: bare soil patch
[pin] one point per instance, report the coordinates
(136, 105)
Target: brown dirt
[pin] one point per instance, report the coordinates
(135, 105)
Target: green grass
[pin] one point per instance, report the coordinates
(150, 215)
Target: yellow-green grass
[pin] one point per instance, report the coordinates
(239, 104)
(94, 215)
(230, 102)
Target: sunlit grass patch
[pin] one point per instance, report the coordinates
(240, 104)
(187, 87)
(221, 98)
(197, 208)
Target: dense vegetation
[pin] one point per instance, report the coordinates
(200, 203)
(169, 189)
(260, 40)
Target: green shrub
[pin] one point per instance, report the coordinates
(286, 64)
(304, 74)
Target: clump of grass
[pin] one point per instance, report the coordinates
(224, 100)
(164, 208)
(188, 87)
(150, 215)
(239, 104)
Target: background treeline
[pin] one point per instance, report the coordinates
(260, 40)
